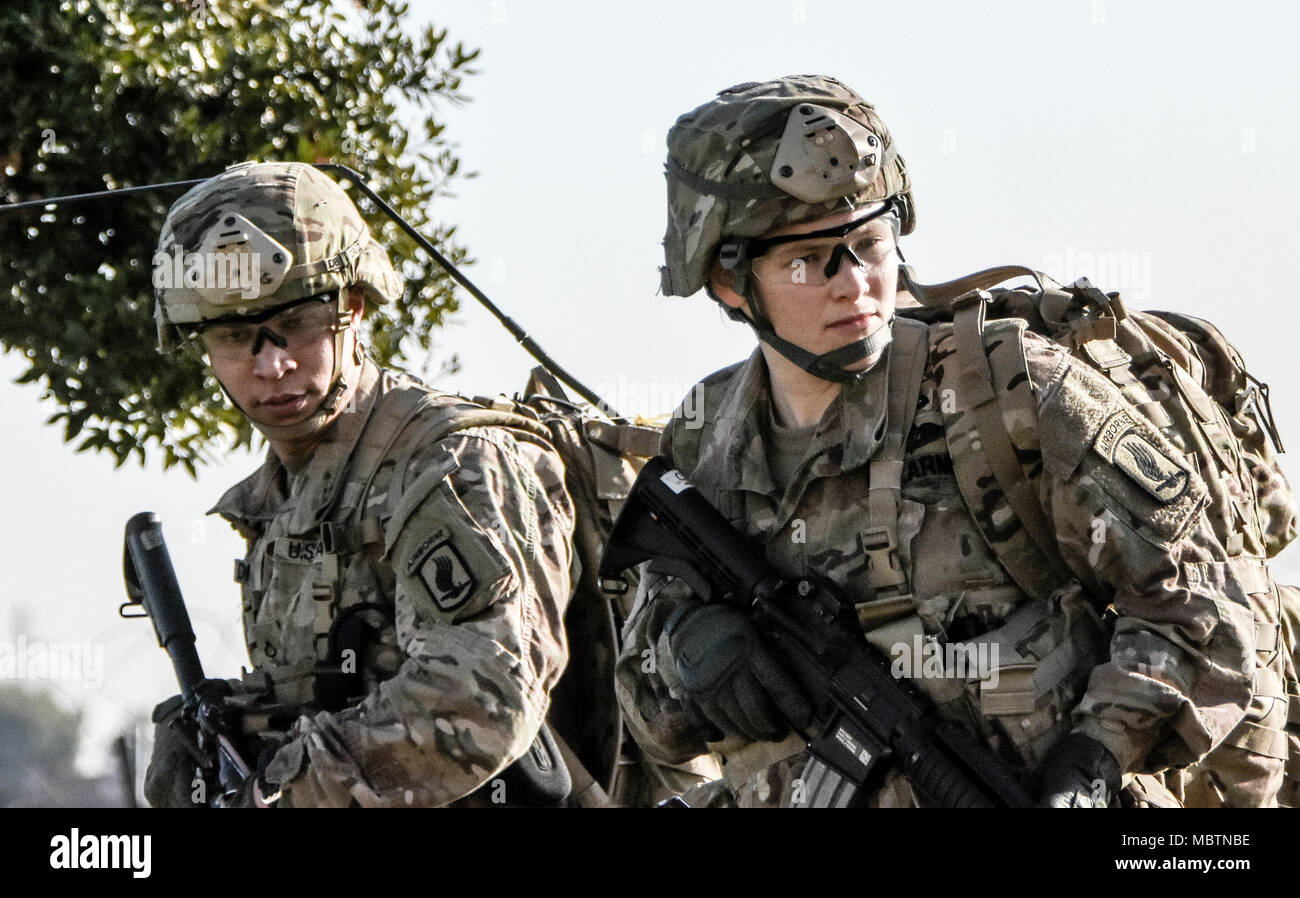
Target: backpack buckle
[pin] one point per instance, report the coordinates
(884, 570)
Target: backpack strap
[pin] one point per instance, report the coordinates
(981, 397)
(623, 438)
(398, 413)
(392, 415)
(907, 357)
(464, 420)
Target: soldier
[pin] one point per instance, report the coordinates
(406, 578)
(840, 447)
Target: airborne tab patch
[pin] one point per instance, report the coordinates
(443, 572)
(1121, 444)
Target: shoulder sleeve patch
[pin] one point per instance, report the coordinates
(1146, 464)
(1096, 447)
(448, 563)
(437, 565)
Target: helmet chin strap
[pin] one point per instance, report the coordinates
(831, 366)
(736, 257)
(313, 423)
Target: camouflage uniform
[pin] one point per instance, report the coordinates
(464, 544)
(405, 583)
(1161, 686)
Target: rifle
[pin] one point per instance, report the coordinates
(151, 585)
(865, 715)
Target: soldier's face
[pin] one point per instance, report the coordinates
(282, 385)
(821, 310)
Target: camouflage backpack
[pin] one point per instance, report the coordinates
(1179, 371)
(1189, 381)
(602, 457)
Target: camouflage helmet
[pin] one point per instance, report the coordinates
(258, 236)
(263, 235)
(763, 156)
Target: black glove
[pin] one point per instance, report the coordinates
(1079, 773)
(169, 781)
(730, 678)
(212, 715)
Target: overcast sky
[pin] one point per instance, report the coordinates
(1150, 146)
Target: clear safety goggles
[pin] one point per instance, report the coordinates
(812, 259)
(291, 328)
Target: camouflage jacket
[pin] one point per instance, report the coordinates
(463, 547)
(1162, 685)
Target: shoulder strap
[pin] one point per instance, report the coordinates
(397, 415)
(394, 411)
(981, 397)
(907, 355)
(467, 418)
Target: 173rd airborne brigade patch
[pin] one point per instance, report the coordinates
(1120, 443)
(442, 571)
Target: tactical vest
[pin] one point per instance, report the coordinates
(929, 593)
(1022, 657)
(329, 637)
(342, 543)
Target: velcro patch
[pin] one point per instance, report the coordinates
(442, 570)
(1146, 464)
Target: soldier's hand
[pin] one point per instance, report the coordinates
(729, 677)
(1079, 773)
(212, 714)
(169, 780)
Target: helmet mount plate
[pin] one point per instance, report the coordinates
(824, 155)
(251, 256)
